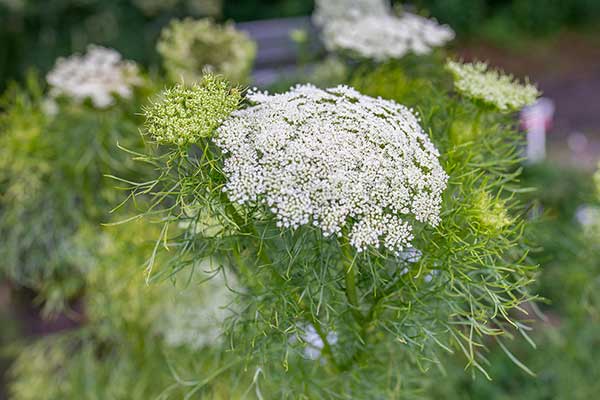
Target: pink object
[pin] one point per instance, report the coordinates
(536, 120)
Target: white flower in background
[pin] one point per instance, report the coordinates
(587, 215)
(50, 107)
(97, 75)
(195, 315)
(383, 37)
(411, 255)
(474, 81)
(330, 10)
(429, 277)
(333, 158)
(427, 31)
(314, 343)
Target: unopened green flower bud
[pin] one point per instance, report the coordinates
(491, 212)
(185, 114)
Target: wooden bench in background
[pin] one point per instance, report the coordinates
(277, 52)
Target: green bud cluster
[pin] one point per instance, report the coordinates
(189, 47)
(491, 212)
(185, 114)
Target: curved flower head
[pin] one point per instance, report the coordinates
(185, 114)
(335, 159)
(97, 75)
(189, 47)
(383, 37)
(491, 87)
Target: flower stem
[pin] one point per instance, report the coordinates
(477, 121)
(243, 267)
(327, 351)
(247, 228)
(350, 280)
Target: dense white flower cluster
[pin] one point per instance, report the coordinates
(383, 37)
(473, 80)
(195, 316)
(333, 158)
(98, 75)
(330, 10)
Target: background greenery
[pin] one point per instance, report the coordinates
(566, 336)
(53, 171)
(33, 33)
(527, 16)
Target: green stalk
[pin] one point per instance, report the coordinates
(209, 161)
(243, 267)
(477, 121)
(326, 346)
(350, 280)
(247, 228)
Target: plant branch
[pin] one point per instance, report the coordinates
(326, 346)
(477, 121)
(350, 280)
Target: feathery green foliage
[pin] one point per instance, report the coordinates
(564, 358)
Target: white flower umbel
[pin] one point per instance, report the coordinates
(474, 81)
(383, 37)
(97, 75)
(334, 158)
(195, 315)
